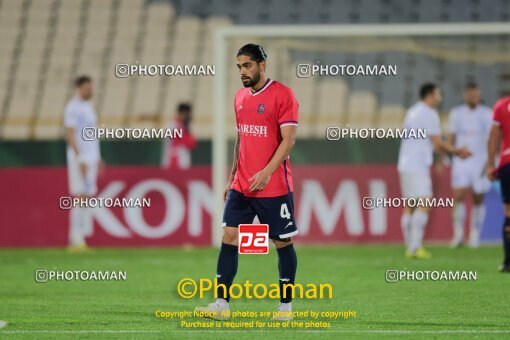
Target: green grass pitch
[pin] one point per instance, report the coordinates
(126, 309)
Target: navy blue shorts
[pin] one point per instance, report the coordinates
(504, 177)
(277, 212)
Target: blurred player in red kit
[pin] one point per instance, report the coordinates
(177, 151)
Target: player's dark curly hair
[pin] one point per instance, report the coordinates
(254, 51)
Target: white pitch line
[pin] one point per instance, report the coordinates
(396, 331)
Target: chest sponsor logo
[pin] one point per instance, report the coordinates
(252, 130)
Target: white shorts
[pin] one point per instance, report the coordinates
(415, 184)
(470, 176)
(77, 184)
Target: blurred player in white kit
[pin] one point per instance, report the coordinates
(469, 127)
(414, 162)
(83, 160)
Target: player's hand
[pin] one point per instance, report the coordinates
(259, 180)
(463, 153)
(491, 172)
(225, 192)
(83, 169)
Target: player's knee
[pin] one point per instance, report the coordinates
(477, 199)
(424, 210)
(282, 242)
(459, 195)
(230, 235)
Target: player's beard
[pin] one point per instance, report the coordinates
(251, 81)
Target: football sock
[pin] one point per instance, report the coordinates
(477, 219)
(405, 223)
(87, 223)
(506, 240)
(287, 265)
(226, 269)
(75, 231)
(418, 222)
(459, 218)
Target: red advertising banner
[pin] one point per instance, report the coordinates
(328, 205)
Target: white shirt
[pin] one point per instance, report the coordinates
(416, 154)
(79, 114)
(471, 128)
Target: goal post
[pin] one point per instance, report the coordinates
(299, 36)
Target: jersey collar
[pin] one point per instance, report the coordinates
(263, 88)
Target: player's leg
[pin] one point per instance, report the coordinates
(416, 185)
(459, 215)
(460, 185)
(505, 192)
(405, 224)
(226, 268)
(90, 190)
(477, 219)
(419, 220)
(481, 185)
(407, 188)
(237, 211)
(76, 214)
(287, 266)
(422, 188)
(505, 267)
(278, 213)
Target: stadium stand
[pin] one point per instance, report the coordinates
(46, 43)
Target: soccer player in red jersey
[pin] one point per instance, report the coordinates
(260, 183)
(501, 131)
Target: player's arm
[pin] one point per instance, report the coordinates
(70, 133)
(234, 167)
(450, 138)
(260, 179)
(446, 146)
(494, 139)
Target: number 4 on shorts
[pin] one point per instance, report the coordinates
(284, 211)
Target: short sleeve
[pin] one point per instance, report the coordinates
(71, 117)
(288, 109)
(497, 115)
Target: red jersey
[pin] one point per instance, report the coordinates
(177, 152)
(259, 117)
(502, 118)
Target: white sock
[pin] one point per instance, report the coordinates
(87, 223)
(459, 219)
(477, 219)
(222, 303)
(75, 231)
(405, 224)
(285, 307)
(418, 222)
